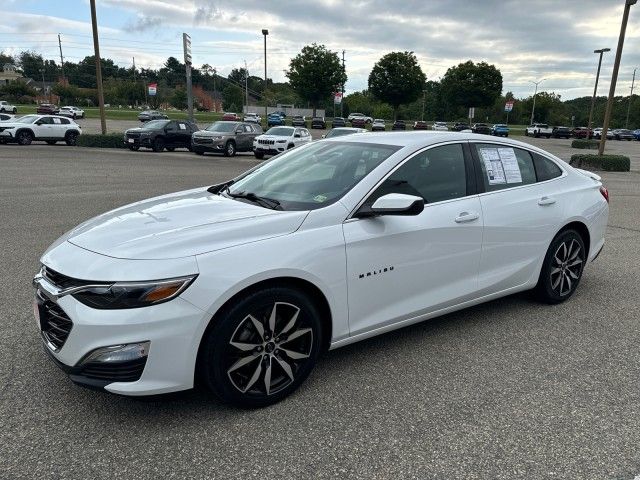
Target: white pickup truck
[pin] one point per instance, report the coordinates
(538, 130)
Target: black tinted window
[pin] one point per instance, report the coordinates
(436, 174)
(545, 168)
(503, 166)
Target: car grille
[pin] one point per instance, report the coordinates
(202, 140)
(62, 281)
(266, 142)
(129, 371)
(133, 135)
(55, 325)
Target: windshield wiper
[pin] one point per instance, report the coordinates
(266, 202)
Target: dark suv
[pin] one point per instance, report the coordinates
(318, 122)
(561, 132)
(161, 134)
(226, 137)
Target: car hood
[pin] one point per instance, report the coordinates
(207, 133)
(272, 137)
(180, 225)
(139, 130)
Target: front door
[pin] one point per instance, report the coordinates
(399, 267)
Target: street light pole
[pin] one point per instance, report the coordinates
(595, 89)
(533, 109)
(614, 75)
(265, 32)
(633, 80)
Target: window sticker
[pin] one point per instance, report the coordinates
(56, 120)
(182, 126)
(501, 165)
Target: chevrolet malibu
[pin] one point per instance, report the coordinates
(241, 285)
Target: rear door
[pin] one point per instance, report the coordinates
(521, 214)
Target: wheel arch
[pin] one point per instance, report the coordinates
(582, 230)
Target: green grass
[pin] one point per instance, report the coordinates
(129, 114)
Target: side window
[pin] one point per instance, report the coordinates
(503, 166)
(65, 121)
(247, 128)
(545, 169)
(46, 121)
(436, 174)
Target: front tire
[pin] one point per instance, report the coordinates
(230, 149)
(262, 347)
(258, 155)
(134, 148)
(24, 138)
(562, 268)
(158, 145)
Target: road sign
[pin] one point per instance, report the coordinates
(153, 89)
(508, 106)
(337, 98)
(472, 112)
(186, 45)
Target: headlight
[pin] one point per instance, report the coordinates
(133, 294)
(281, 141)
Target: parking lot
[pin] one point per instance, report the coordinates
(509, 389)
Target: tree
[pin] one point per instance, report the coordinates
(315, 73)
(397, 79)
(471, 85)
(232, 97)
(179, 98)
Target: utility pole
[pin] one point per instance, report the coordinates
(64, 82)
(96, 49)
(633, 81)
(424, 100)
(134, 76)
(614, 75)
(595, 89)
(534, 97)
(215, 96)
(265, 32)
(246, 85)
(186, 45)
(342, 100)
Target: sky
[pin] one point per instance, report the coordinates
(528, 40)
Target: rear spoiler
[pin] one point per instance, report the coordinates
(592, 175)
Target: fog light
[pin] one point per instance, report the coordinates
(117, 353)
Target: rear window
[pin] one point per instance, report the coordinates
(546, 169)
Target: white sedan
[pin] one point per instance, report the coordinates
(442, 126)
(243, 284)
(279, 139)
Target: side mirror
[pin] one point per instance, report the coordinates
(393, 204)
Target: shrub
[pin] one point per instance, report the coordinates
(110, 140)
(610, 163)
(585, 144)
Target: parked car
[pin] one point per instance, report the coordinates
(342, 131)
(279, 139)
(274, 119)
(359, 122)
(159, 135)
(47, 109)
(338, 122)
(5, 116)
(597, 133)
(442, 126)
(231, 117)
(399, 125)
(538, 130)
(458, 127)
(420, 125)
(561, 132)
(481, 128)
(500, 130)
(362, 116)
(6, 107)
(148, 115)
(71, 112)
(252, 117)
(281, 113)
(318, 122)
(378, 125)
(48, 128)
(582, 132)
(244, 283)
(623, 134)
(298, 121)
(636, 134)
(225, 137)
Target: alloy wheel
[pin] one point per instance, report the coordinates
(566, 267)
(267, 349)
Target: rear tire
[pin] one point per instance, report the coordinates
(134, 148)
(198, 152)
(170, 149)
(71, 139)
(261, 347)
(24, 138)
(562, 267)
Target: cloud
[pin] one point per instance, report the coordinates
(142, 23)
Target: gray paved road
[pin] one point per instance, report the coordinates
(511, 389)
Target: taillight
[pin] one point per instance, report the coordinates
(605, 193)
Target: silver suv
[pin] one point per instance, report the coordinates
(225, 137)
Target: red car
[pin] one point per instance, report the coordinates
(420, 125)
(582, 132)
(233, 117)
(359, 122)
(47, 109)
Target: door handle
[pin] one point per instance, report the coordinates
(467, 217)
(546, 201)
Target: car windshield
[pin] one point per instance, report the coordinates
(338, 132)
(315, 175)
(27, 119)
(223, 127)
(280, 131)
(154, 124)
(378, 120)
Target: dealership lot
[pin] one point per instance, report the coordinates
(509, 389)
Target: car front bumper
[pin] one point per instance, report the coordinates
(212, 146)
(172, 331)
(270, 149)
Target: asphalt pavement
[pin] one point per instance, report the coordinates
(506, 390)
